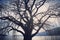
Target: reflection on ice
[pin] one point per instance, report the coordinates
(34, 38)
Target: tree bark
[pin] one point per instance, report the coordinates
(27, 37)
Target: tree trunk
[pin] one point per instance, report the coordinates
(27, 37)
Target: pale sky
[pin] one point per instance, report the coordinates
(42, 9)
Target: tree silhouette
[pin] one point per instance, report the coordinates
(24, 13)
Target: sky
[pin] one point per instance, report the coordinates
(42, 9)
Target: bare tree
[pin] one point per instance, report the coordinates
(24, 14)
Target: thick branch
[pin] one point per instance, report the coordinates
(18, 30)
(11, 29)
(4, 28)
(39, 6)
(18, 5)
(40, 26)
(26, 6)
(12, 19)
(33, 4)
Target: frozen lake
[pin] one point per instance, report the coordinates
(34, 38)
